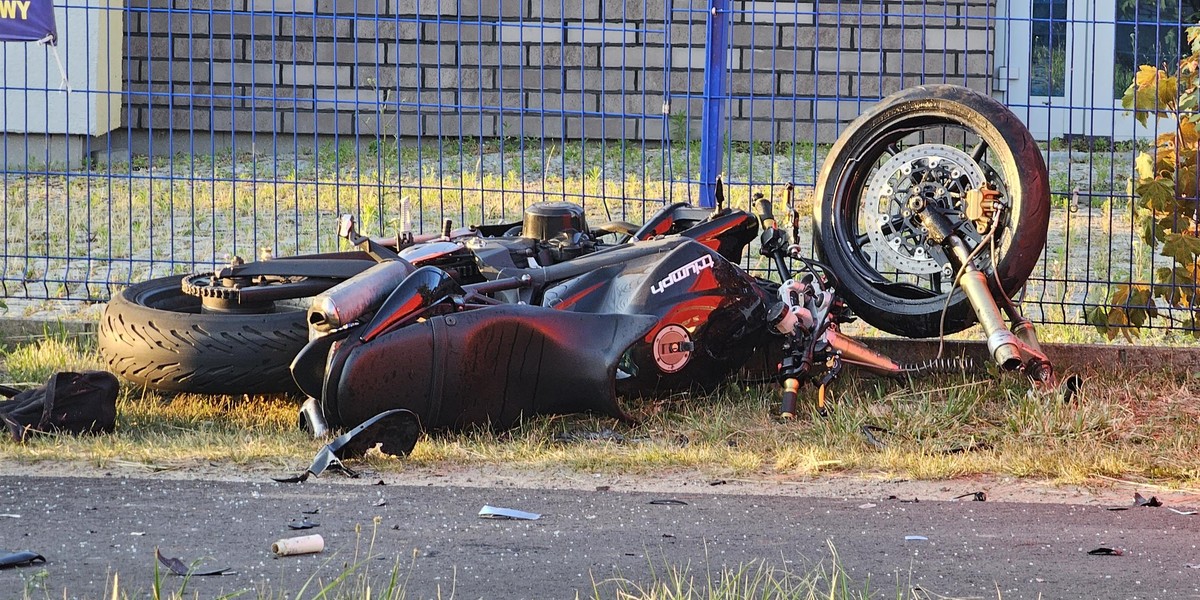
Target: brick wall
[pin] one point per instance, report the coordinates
(552, 68)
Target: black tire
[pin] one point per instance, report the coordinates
(154, 335)
(892, 289)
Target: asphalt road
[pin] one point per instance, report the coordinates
(90, 528)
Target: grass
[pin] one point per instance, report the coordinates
(757, 579)
(1142, 425)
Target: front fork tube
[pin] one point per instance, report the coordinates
(1013, 349)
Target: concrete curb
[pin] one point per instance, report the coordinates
(18, 331)
(1082, 359)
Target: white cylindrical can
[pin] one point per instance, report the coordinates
(306, 544)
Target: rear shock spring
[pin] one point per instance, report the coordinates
(940, 366)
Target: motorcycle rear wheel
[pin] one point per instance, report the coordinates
(937, 141)
(154, 335)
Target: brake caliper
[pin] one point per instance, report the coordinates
(981, 206)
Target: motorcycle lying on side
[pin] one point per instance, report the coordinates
(930, 213)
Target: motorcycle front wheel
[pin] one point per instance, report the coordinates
(155, 335)
(942, 144)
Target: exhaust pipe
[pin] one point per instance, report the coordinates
(347, 301)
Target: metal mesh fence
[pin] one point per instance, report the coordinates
(194, 131)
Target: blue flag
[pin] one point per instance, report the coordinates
(27, 21)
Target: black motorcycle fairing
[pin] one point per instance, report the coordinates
(309, 366)
(490, 365)
(711, 314)
(726, 231)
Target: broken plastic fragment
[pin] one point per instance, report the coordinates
(178, 567)
(915, 538)
(1106, 552)
(494, 512)
(1140, 500)
(302, 524)
(1181, 512)
(869, 432)
(397, 436)
(975, 496)
(21, 559)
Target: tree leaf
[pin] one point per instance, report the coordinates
(1120, 295)
(1146, 76)
(1117, 321)
(1187, 101)
(1129, 100)
(1097, 317)
(1144, 166)
(1170, 281)
(1188, 134)
(1187, 181)
(1141, 305)
(1152, 230)
(1145, 102)
(1157, 194)
(1168, 92)
(1181, 247)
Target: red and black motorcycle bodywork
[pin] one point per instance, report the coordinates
(651, 316)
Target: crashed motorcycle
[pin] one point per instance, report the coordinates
(930, 213)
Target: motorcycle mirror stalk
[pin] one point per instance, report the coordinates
(380, 250)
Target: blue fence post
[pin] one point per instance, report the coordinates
(715, 70)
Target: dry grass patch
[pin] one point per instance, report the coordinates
(1124, 425)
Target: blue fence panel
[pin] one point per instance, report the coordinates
(195, 131)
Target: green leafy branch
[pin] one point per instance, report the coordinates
(1167, 209)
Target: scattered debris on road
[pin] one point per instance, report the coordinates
(306, 544)
(21, 559)
(495, 512)
(178, 567)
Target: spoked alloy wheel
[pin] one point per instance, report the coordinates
(950, 150)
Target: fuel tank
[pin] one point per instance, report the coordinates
(710, 314)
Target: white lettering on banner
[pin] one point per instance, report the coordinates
(9, 8)
(682, 273)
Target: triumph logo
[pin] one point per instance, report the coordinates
(682, 273)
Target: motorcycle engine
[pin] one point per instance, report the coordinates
(560, 230)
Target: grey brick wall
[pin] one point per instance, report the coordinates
(534, 67)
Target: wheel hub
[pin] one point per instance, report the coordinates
(934, 176)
